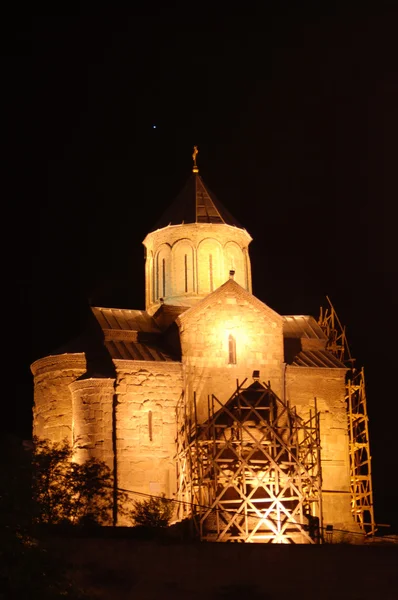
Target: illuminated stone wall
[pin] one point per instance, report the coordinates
(92, 402)
(52, 412)
(184, 263)
(225, 335)
(203, 270)
(134, 416)
(328, 387)
(131, 420)
(147, 394)
(206, 331)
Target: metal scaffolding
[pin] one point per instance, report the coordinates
(251, 472)
(358, 422)
(360, 459)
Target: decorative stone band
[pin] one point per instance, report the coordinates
(129, 366)
(104, 384)
(326, 371)
(59, 361)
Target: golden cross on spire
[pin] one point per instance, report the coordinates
(195, 166)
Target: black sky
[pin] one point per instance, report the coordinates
(295, 112)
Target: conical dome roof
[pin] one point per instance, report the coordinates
(196, 204)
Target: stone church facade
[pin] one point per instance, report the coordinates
(116, 387)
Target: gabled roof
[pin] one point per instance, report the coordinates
(196, 204)
(230, 286)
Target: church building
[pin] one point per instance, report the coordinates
(208, 396)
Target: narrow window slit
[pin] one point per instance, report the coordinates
(231, 350)
(150, 425)
(186, 272)
(211, 271)
(164, 276)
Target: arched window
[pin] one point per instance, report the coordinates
(153, 274)
(150, 425)
(210, 262)
(162, 272)
(211, 272)
(163, 277)
(234, 259)
(182, 268)
(231, 350)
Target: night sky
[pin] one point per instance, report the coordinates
(295, 113)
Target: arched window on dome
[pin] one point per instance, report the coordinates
(234, 259)
(231, 350)
(149, 277)
(183, 268)
(162, 272)
(209, 266)
(163, 277)
(153, 275)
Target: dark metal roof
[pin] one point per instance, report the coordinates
(317, 358)
(196, 204)
(131, 334)
(302, 326)
(305, 343)
(131, 350)
(167, 314)
(123, 319)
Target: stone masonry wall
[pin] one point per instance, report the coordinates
(92, 401)
(205, 333)
(328, 387)
(147, 395)
(52, 412)
(142, 401)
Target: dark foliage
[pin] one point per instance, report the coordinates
(152, 513)
(66, 491)
(27, 569)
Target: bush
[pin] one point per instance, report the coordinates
(152, 513)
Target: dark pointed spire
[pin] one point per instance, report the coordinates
(196, 203)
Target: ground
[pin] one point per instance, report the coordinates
(120, 569)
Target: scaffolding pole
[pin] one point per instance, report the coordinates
(358, 421)
(360, 459)
(337, 342)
